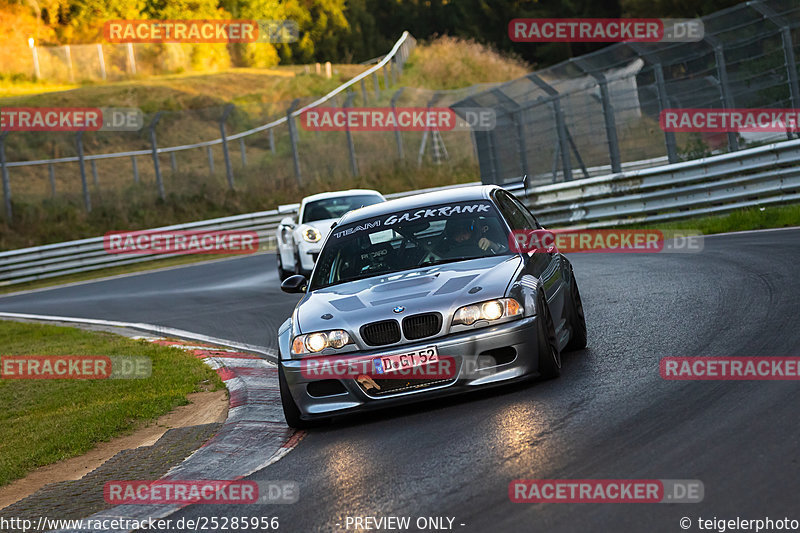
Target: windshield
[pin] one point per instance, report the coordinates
(336, 207)
(410, 239)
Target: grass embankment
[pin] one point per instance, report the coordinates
(193, 104)
(44, 421)
(752, 218)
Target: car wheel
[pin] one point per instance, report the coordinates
(282, 274)
(577, 321)
(549, 356)
(290, 411)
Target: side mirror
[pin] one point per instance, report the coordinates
(295, 284)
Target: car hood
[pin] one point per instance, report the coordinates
(322, 226)
(442, 288)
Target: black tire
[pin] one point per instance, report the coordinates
(282, 274)
(290, 411)
(576, 318)
(549, 356)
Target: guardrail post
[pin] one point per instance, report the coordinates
(95, 181)
(210, 155)
(788, 50)
(271, 140)
(135, 166)
(293, 139)
(52, 175)
(242, 150)
(724, 87)
(6, 181)
(663, 103)
(87, 201)
(154, 149)
(563, 141)
(398, 138)
(228, 168)
(350, 146)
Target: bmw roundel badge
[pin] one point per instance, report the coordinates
(399, 309)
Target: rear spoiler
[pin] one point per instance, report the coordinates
(288, 208)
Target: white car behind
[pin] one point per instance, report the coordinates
(299, 240)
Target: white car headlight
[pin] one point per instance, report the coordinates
(489, 310)
(311, 235)
(318, 341)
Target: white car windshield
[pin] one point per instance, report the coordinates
(336, 207)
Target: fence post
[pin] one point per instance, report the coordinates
(271, 141)
(68, 53)
(228, 168)
(350, 146)
(135, 169)
(663, 102)
(386, 76)
(515, 113)
(154, 148)
(6, 181)
(242, 150)
(563, 141)
(397, 136)
(87, 201)
(363, 91)
(210, 160)
(52, 175)
(608, 114)
(377, 86)
(37, 74)
(102, 60)
(724, 87)
(131, 59)
(293, 139)
(95, 181)
(173, 162)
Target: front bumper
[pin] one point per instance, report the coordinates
(517, 340)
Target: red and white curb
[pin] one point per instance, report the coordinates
(254, 435)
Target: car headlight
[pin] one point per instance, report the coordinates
(489, 310)
(311, 235)
(318, 341)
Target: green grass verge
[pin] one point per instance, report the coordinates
(751, 218)
(45, 421)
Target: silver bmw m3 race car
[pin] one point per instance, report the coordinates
(423, 297)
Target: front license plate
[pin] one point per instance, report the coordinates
(402, 361)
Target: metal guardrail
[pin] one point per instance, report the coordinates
(757, 176)
(754, 177)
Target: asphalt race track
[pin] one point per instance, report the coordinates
(609, 415)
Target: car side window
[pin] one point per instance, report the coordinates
(525, 212)
(513, 212)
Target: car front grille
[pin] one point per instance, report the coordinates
(421, 326)
(380, 333)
